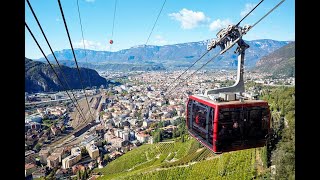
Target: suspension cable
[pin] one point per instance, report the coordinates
(187, 69)
(75, 59)
(208, 51)
(240, 37)
(84, 46)
(194, 72)
(249, 12)
(60, 68)
(114, 16)
(54, 70)
(156, 21)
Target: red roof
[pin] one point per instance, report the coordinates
(29, 165)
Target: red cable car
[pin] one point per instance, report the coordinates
(222, 119)
(111, 41)
(228, 125)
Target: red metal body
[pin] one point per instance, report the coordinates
(217, 106)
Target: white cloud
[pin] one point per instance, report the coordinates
(159, 40)
(246, 9)
(189, 19)
(92, 45)
(89, 0)
(58, 19)
(219, 24)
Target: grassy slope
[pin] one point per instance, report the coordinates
(179, 160)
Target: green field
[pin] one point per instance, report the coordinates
(177, 160)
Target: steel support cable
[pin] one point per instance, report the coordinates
(84, 46)
(53, 69)
(114, 16)
(267, 13)
(194, 72)
(75, 59)
(208, 51)
(187, 69)
(60, 68)
(156, 21)
(249, 12)
(240, 37)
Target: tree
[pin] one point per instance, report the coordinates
(104, 142)
(63, 128)
(101, 113)
(37, 147)
(153, 125)
(182, 138)
(174, 113)
(174, 132)
(160, 124)
(106, 158)
(84, 152)
(79, 175)
(84, 174)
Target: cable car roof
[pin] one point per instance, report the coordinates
(200, 98)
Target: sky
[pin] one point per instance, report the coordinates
(180, 21)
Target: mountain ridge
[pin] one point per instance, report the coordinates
(170, 56)
(39, 77)
(281, 62)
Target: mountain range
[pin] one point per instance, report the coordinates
(39, 77)
(165, 57)
(281, 62)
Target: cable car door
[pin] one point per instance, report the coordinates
(200, 122)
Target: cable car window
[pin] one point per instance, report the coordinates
(200, 118)
(242, 124)
(258, 122)
(210, 127)
(265, 119)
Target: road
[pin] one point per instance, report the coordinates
(43, 102)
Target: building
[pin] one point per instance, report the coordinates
(34, 118)
(59, 152)
(55, 130)
(108, 136)
(125, 136)
(93, 151)
(56, 111)
(75, 151)
(29, 152)
(39, 173)
(52, 161)
(146, 123)
(62, 174)
(99, 129)
(44, 153)
(77, 168)
(72, 159)
(116, 142)
(89, 139)
(29, 169)
(32, 125)
(142, 137)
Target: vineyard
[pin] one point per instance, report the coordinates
(177, 160)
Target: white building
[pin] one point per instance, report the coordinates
(93, 151)
(72, 159)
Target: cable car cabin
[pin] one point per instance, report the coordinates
(229, 125)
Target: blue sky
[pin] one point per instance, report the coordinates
(180, 21)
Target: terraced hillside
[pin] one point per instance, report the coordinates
(177, 160)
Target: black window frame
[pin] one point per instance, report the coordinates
(208, 131)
